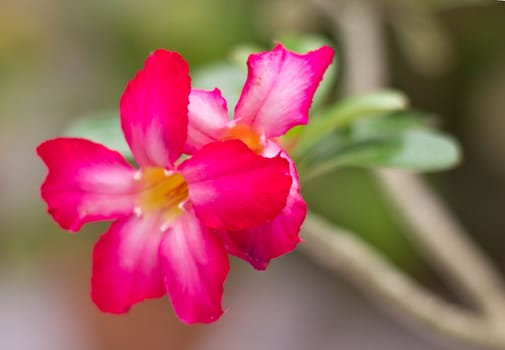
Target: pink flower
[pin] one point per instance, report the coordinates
(277, 96)
(165, 212)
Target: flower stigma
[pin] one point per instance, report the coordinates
(161, 191)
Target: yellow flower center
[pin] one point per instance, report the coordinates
(246, 135)
(161, 190)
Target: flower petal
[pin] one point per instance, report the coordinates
(125, 264)
(194, 265)
(208, 117)
(154, 109)
(233, 188)
(279, 89)
(260, 244)
(86, 182)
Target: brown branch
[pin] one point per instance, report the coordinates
(343, 252)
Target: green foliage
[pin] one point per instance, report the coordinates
(102, 127)
(419, 150)
(346, 112)
(398, 140)
(227, 77)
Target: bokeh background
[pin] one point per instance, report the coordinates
(60, 60)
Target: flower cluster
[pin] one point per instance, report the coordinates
(176, 219)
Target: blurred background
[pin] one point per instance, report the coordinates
(60, 60)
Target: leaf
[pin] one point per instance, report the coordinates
(102, 127)
(390, 123)
(346, 112)
(227, 77)
(419, 150)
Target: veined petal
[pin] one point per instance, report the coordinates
(208, 117)
(233, 188)
(154, 109)
(279, 89)
(125, 264)
(194, 266)
(260, 244)
(86, 182)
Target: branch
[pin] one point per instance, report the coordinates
(342, 252)
(441, 238)
(445, 242)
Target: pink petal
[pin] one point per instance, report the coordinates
(154, 109)
(260, 244)
(279, 89)
(233, 188)
(86, 182)
(195, 266)
(126, 266)
(208, 117)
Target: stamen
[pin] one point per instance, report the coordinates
(162, 191)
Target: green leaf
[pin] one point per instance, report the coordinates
(102, 127)
(391, 123)
(227, 77)
(346, 112)
(419, 150)
(240, 54)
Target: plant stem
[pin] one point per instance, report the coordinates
(433, 229)
(444, 242)
(343, 252)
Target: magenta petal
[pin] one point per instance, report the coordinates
(280, 236)
(126, 266)
(233, 188)
(208, 117)
(86, 182)
(279, 89)
(154, 109)
(260, 244)
(195, 266)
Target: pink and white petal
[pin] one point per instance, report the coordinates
(194, 266)
(208, 118)
(126, 267)
(261, 244)
(86, 182)
(154, 109)
(233, 188)
(279, 89)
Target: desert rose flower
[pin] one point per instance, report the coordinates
(276, 96)
(164, 212)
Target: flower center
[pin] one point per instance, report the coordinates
(162, 190)
(246, 135)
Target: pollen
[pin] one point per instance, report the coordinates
(162, 191)
(246, 135)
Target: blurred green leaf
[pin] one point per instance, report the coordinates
(390, 123)
(240, 54)
(228, 77)
(419, 150)
(103, 127)
(346, 112)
